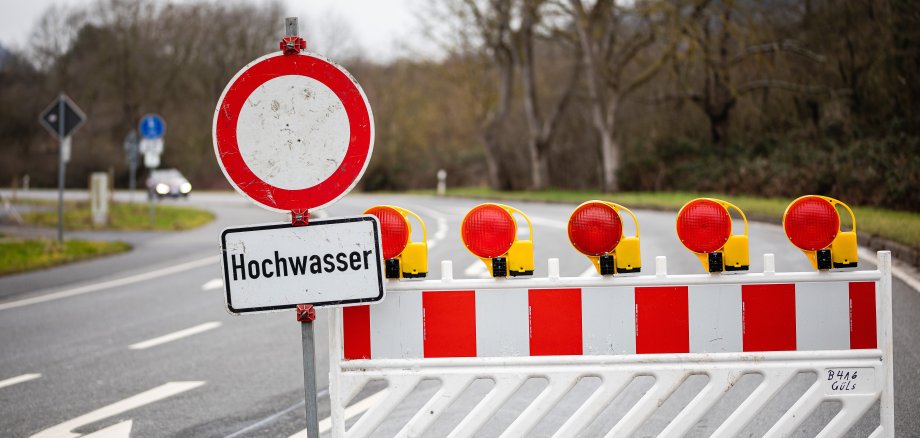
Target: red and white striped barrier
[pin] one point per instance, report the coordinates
(833, 325)
(725, 318)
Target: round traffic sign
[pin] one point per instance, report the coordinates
(152, 126)
(293, 131)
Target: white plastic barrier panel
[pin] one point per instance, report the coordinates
(669, 327)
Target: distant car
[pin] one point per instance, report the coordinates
(167, 182)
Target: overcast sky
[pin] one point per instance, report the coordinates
(382, 28)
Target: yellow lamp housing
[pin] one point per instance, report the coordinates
(811, 221)
(696, 223)
(483, 229)
(622, 257)
(412, 261)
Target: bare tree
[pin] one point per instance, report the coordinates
(493, 22)
(613, 39)
(712, 31)
(540, 129)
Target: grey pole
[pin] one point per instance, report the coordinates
(131, 168)
(309, 378)
(290, 26)
(153, 201)
(60, 169)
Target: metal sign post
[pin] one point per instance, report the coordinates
(152, 128)
(306, 314)
(61, 119)
(291, 156)
(62, 163)
(131, 156)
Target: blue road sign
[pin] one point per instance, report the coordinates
(152, 126)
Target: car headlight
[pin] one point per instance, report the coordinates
(162, 189)
(185, 187)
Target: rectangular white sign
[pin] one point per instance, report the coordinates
(330, 262)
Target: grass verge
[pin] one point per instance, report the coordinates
(17, 255)
(896, 226)
(122, 217)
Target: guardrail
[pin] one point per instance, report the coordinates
(836, 325)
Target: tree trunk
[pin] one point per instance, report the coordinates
(718, 129)
(496, 119)
(525, 63)
(539, 165)
(603, 117)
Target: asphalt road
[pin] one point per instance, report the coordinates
(87, 336)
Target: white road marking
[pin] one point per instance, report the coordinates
(549, 223)
(213, 284)
(120, 430)
(95, 287)
(175, 335)
(590, 272)
(441, 220)
(325, 425)
(161, 392)
(258, 425)
(895, 271)
(477, 269)
(18, 379)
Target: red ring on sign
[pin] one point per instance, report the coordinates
(359, 122)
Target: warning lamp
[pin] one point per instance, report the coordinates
(704, 226)
(402, 257)
(812, 224)
(596, 230)
(489, 231)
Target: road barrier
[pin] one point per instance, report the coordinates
(836, 325)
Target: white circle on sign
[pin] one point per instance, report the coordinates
(293, 132)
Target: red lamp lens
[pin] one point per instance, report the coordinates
(595, 229)
(395, 230)
(488, 230)
(703, 226)
(811, 223)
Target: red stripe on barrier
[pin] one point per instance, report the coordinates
(449, 321)
(356, 332)
(863, 331)
(662, 320)
(555, 322)
(768, 317)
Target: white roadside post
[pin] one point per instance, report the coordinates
(292, 156)
(442, 182)
(99, 198)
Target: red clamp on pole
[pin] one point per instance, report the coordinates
(292, 45)
(306, 313)
(300, 217)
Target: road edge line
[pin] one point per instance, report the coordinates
(94, 287)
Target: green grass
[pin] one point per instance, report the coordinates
(18, 255)
(897, 226)
(122, 217)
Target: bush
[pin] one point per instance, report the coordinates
(869, 172)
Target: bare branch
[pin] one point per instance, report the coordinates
(774, 47)
(778, 84)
